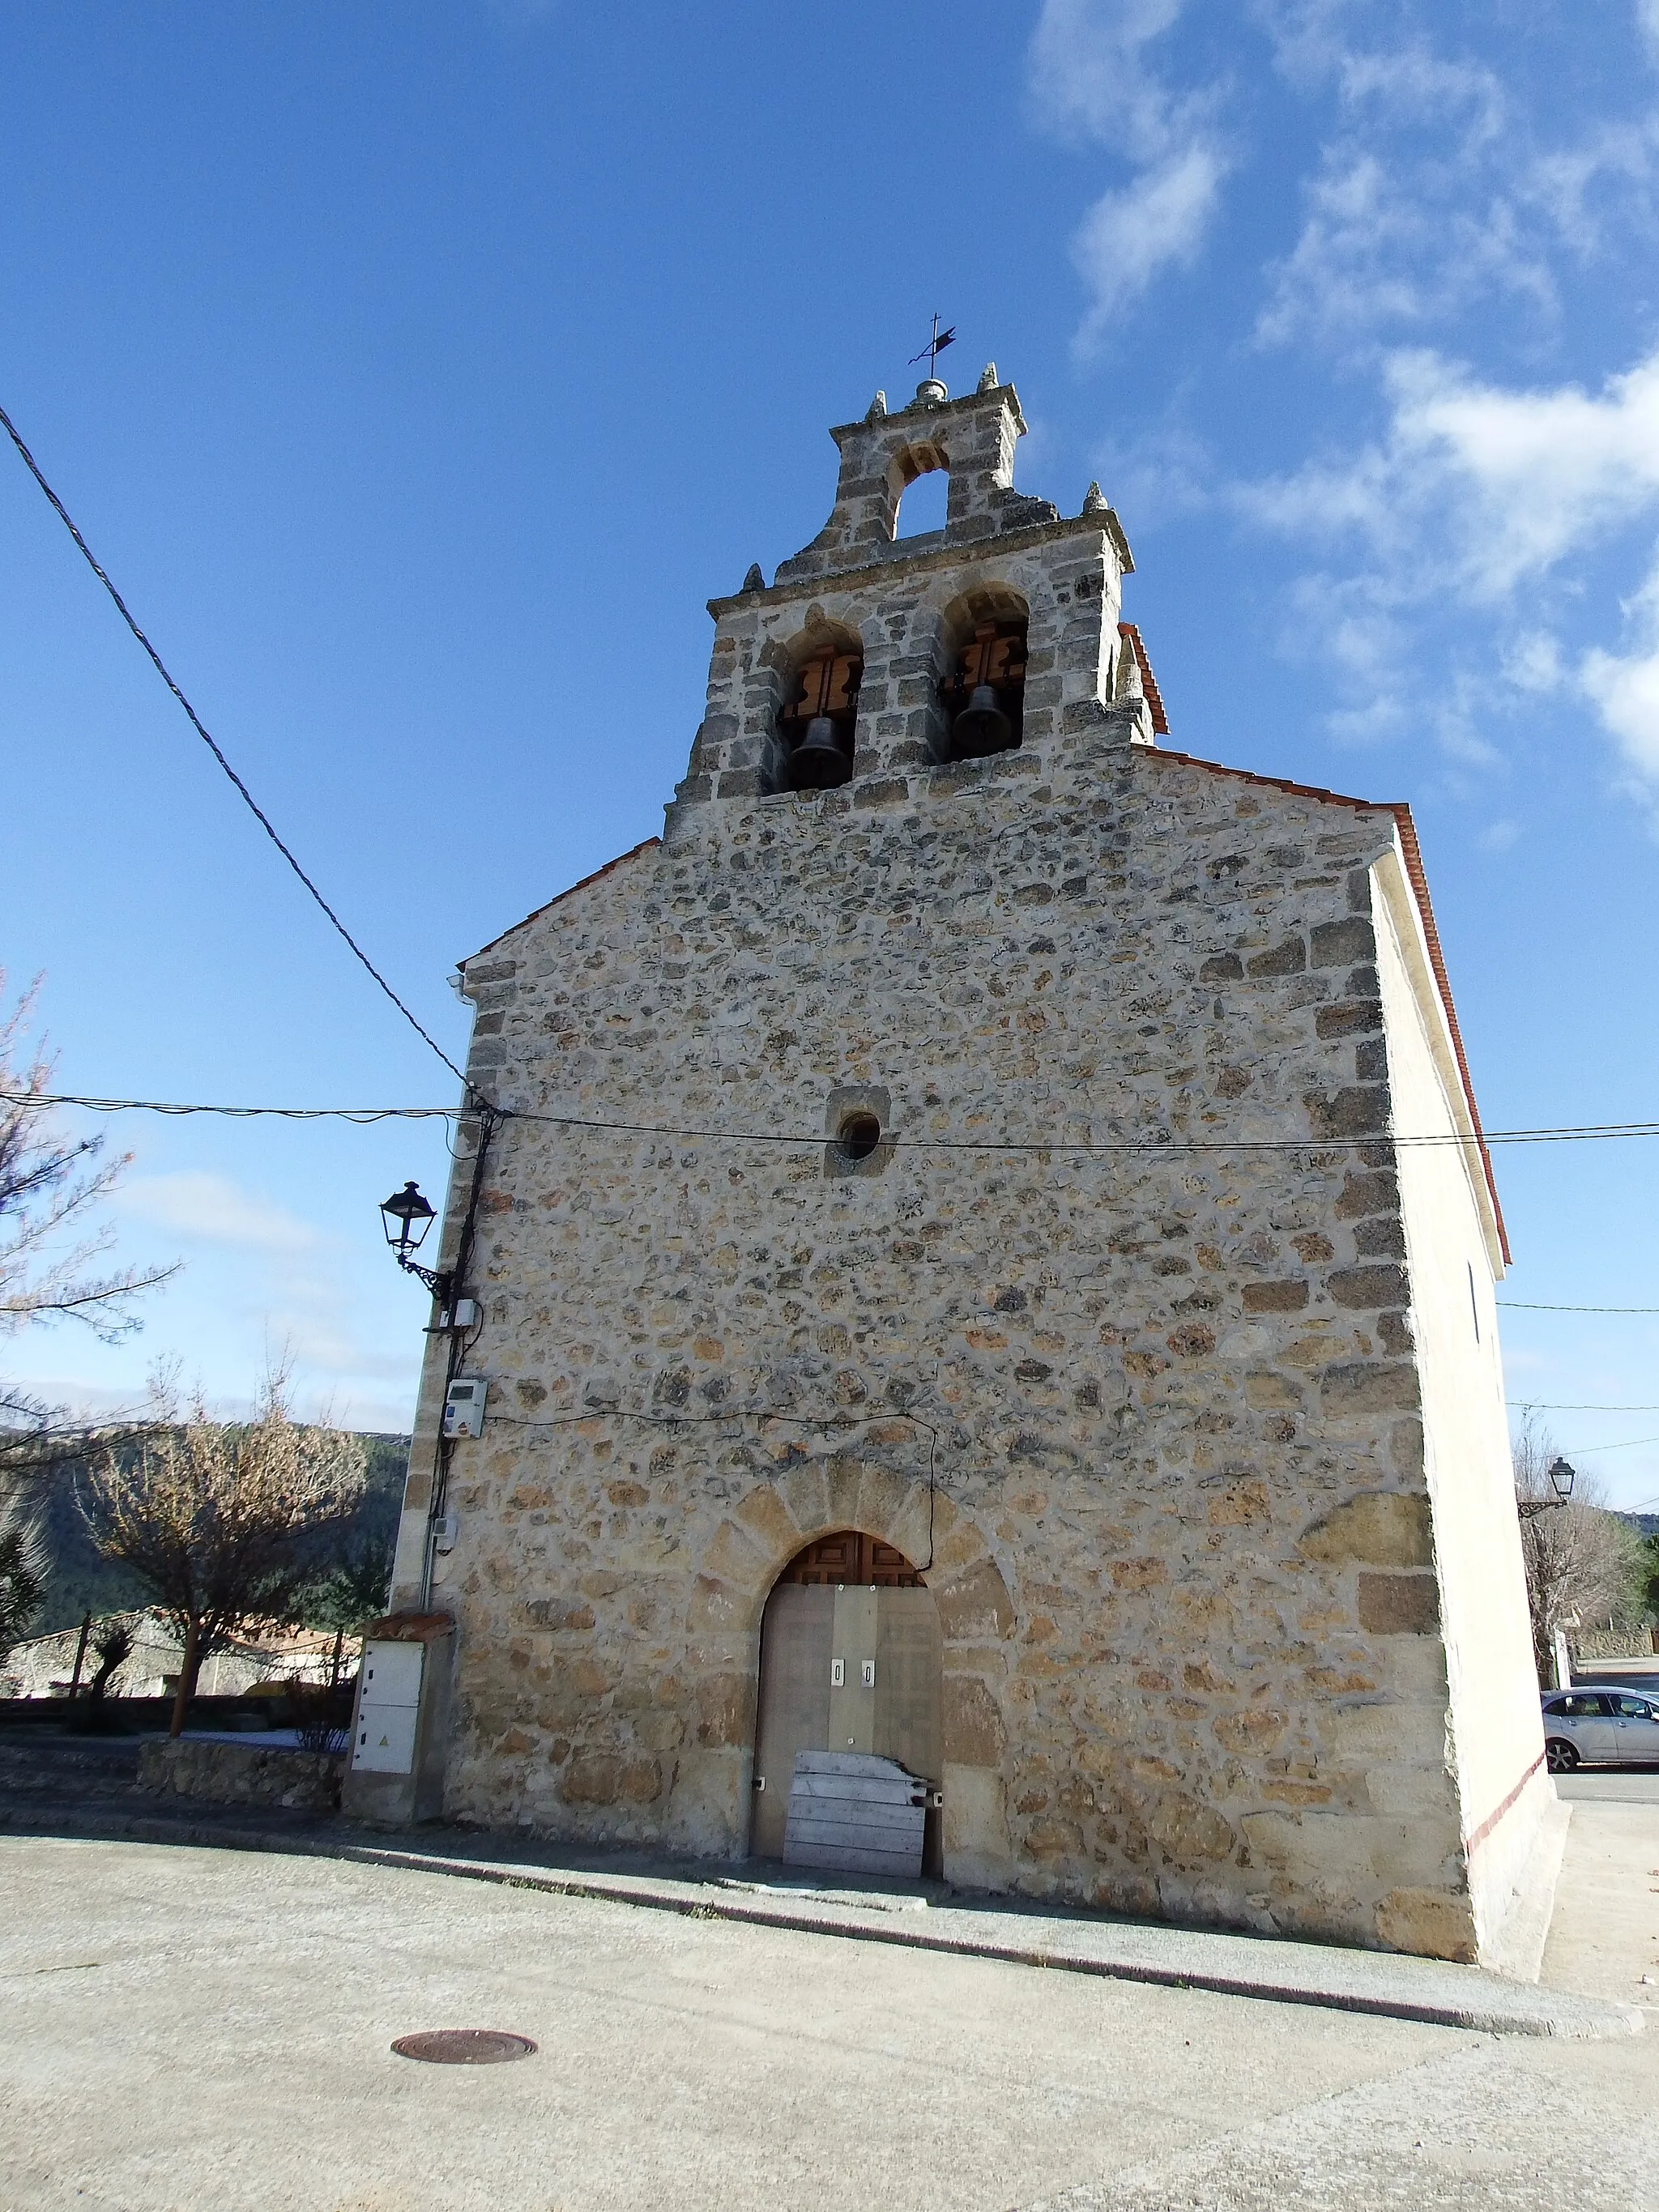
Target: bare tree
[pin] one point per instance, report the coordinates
(1581, 1560)
(213, 1518)
(49, 1183)
(50, 1186)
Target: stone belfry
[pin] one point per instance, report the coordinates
(988, 1264)
(910, 621)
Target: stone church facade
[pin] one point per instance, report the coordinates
(999, 1174)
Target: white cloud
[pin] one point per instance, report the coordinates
(1088, 75)
(1379, 249)
(1475, 494)
(1441, 183)
(1498, 836)
(1626, 687)
(1513, 480)
(1128, 236)
(1090, 79)
(1541, 473)
(1533, 663)
(211, 1209)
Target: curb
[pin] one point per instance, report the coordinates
(1382, 1984)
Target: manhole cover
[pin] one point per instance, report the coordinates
(464, 2046)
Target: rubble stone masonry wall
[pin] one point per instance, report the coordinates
(1149, 1420)
(1181, 1534)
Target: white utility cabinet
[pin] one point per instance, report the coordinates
(388, 1707)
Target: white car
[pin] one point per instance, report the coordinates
(1611, 1726)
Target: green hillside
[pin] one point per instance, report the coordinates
(79, 1582)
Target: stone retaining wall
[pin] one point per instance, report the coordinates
(1588, 1644)
(242, 1774)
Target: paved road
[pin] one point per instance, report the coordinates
(1625, 1785)
(187, 2028)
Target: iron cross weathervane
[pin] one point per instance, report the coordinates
(934, 347)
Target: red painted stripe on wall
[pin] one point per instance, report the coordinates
(1473, 1842)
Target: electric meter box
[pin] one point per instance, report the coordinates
(463, 1408)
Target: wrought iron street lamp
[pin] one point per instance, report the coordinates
(1563, 1475)
(406, 1217)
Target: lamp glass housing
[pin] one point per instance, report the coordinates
(407, 1218)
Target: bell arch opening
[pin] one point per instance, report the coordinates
(919, 511)
(924, 506)
(849, 1711)
(982, 691)
(817, 718)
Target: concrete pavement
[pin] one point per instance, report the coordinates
(1604, 1936)
(59, 1797)
(191, 2027)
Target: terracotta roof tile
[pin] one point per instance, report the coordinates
(1148, 681)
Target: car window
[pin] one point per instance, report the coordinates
(1556, 1705)
(1582, 1704)
(1634, 1709)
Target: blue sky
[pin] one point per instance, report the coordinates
(419, 371)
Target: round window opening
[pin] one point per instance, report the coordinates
(860, 1133)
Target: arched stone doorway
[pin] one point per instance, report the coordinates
(851, 1659)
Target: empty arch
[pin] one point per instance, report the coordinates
(928, 464)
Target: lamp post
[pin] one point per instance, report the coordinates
(1563, 1475)
(406, 1217)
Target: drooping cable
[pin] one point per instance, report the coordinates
(683, 1132)
(44, 1100)
(1524, 1305)
(212, 745)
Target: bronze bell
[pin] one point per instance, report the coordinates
(818, 763)
(982, 727)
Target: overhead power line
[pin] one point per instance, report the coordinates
(1548, 1406)
(921, 1142)
(208, 741)
(1522, 1305)
(1063, 1144)
(361, 1114)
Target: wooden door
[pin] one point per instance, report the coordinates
(910, 1671)
(796, 1647)
(851, 1669)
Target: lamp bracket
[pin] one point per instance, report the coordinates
(437, 1281)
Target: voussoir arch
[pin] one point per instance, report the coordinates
(774, 1521)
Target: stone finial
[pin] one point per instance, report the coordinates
(1095, 500)
(930, 392)
(754, 581)
(878, 407)
(987, 377)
